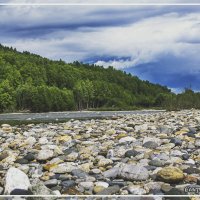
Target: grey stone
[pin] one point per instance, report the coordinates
(38, 188)
(68, 183)
(111, 173)
(45, 154)
(157, 163)
(79, 173)
(51, 183)
(29, 157)
(134, 172)
(110, 190)
(131, 153)
(176, 141)
(150, 145)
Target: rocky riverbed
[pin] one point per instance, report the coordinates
(136, 154)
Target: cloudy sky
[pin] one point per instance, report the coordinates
(159, 43)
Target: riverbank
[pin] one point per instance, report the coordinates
(128, 154)
(17, 118)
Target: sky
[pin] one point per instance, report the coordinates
(159, 43)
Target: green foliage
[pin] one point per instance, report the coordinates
(7, 102)
(31, 82)
(44, 98)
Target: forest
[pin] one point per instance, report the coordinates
(29, 82)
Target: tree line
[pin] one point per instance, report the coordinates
(31, 82)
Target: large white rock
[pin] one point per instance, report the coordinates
(16, 179)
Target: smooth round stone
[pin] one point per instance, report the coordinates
(176, 141)
(185, 156)
(22, 161)
(150, 145)
(131, 153)
(87, 185)
(51, 183)
(63, 177)
(29, 157)
(170, 175)
(95, 171)
(157, 163)
(103, 184)
(110, 190)
(79, 173)
(44, 155)
(192, 170)
(98, 189)
(68, 183)
(150, 168)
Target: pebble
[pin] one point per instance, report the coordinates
(51, 183)
(45, 155)
(134, 172)
(110, 190)
(150, 145)
(131, 153)
(170, 174)
(16, 180)
(139, 154)
(136, 190)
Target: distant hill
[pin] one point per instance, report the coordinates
(31, 82)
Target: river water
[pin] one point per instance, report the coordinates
(57, 116)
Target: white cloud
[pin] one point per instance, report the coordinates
(143, 41)
(136, 42)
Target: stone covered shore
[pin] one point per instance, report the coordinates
(137, 154)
